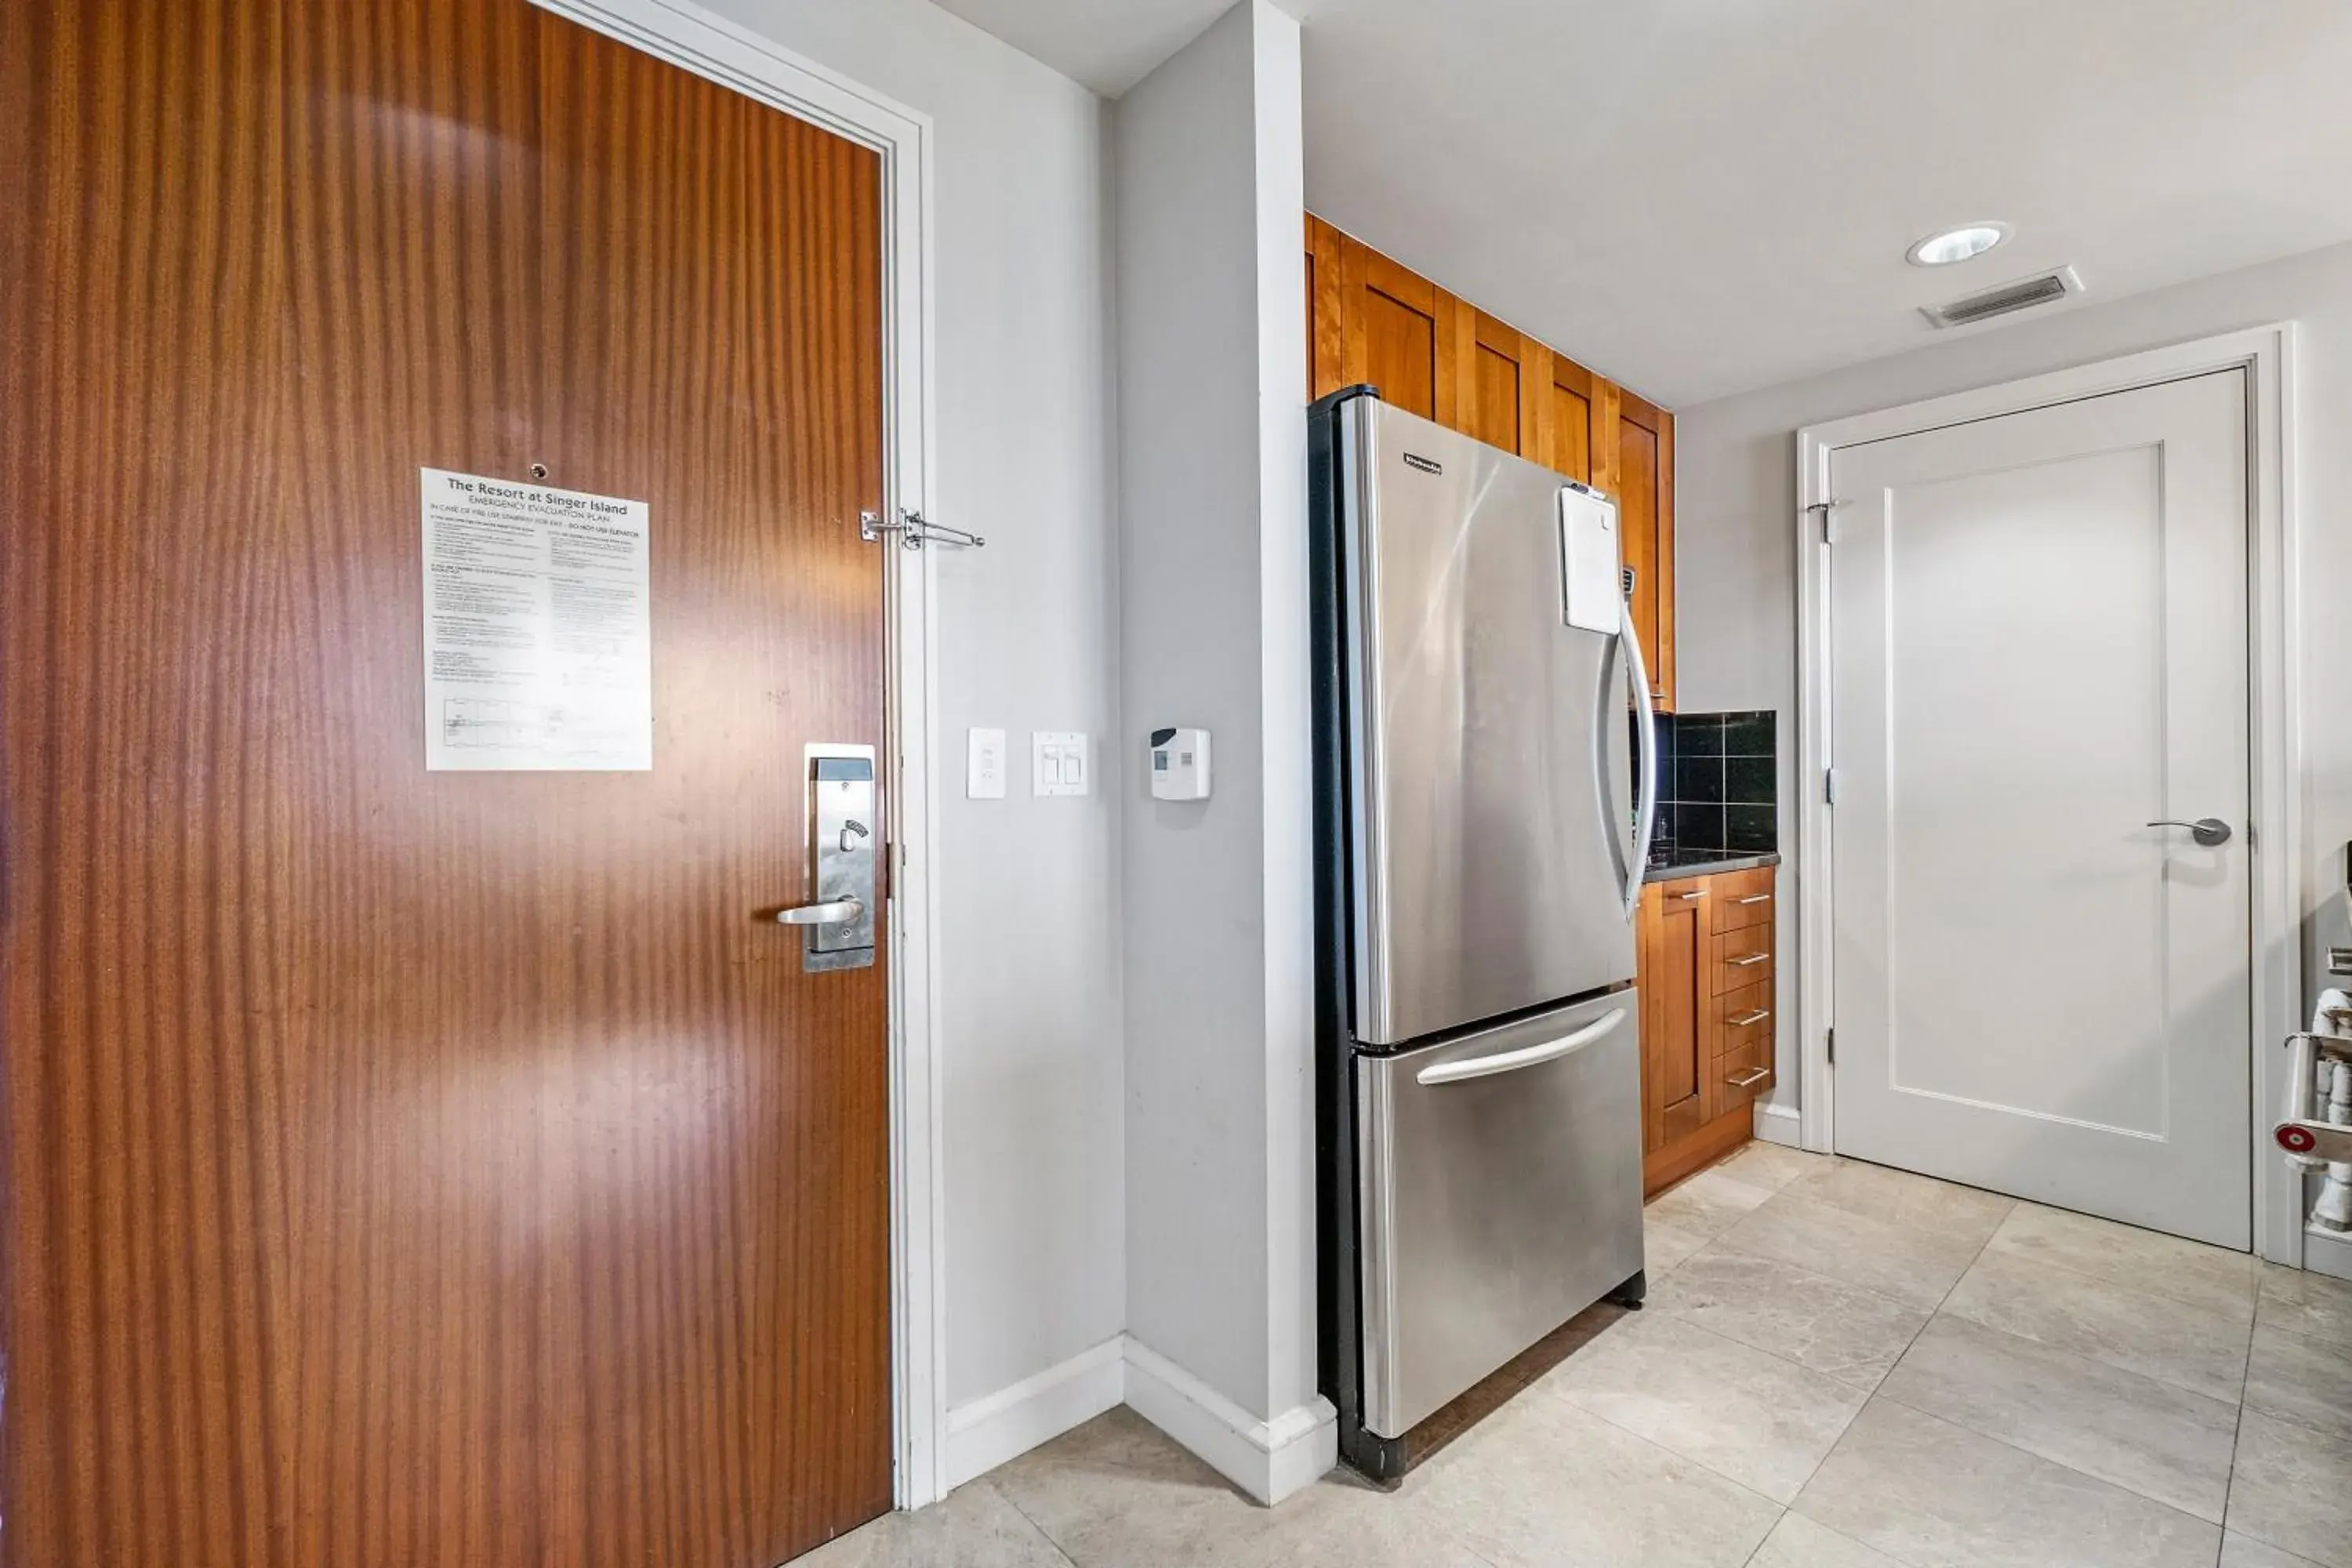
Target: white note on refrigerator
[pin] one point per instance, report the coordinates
(538, 627)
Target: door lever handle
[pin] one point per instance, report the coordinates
(827, 915)
(2206, 830)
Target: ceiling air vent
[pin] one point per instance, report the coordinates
(2022, 295)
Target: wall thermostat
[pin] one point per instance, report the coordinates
(1180, 765)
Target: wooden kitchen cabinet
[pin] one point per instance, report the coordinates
(1371, 319)
(1641, 478)
(1705, 960)
(1671, 942)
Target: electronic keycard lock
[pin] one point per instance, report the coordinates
(845, 855)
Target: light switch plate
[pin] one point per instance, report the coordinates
(984, 777)
(1060, 762)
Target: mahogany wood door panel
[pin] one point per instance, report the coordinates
(447, 1168)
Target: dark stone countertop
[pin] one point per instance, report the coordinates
(1678, 863)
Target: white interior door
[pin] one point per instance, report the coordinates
(2039, 645)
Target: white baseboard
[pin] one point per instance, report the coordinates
(1268, 1459)
(2329, 1254)
(1779, 1124)
(1007, 1423)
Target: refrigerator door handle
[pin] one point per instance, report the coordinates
(1525, 1055)
(1645, 813)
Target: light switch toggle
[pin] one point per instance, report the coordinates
(1060, 762)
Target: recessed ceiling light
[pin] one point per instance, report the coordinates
(1947, 246)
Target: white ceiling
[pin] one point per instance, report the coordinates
(1700, 196)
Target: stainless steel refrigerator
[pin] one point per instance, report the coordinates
(1485, 789)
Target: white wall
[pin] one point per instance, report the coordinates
(1736, 551)
(1219, 950)
(1029, 982)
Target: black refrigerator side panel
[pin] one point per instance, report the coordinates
(1337, 1296)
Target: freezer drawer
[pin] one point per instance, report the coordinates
(1500, 1194)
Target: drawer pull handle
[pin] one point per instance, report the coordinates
(1751, 958)
(1749, 1079)
(1686, 897)
(1754, 898)
(1757, 1016)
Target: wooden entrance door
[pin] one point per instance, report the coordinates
(424, 1169)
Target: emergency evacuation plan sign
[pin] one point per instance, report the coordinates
(539, 646)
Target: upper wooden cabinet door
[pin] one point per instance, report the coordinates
(1399, 336)
(1583, 424)
(1372, 320)
(1502, 392)
(1643, 479)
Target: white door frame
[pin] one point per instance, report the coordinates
(694, 39)
(2274, 838)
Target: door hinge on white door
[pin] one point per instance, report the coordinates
(1828, 508)
(1829, 1038)
(1829, 785)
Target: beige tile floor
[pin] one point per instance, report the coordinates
(1841, 1366)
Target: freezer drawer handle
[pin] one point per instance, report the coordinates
(1525, 1056)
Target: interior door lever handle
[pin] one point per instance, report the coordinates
(827, 915)
(2206, 830)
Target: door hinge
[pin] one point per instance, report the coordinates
(1830, 1036)
(1829, 785)
(1828, 508)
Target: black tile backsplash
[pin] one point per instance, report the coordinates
(1749, 734)
(1697, 734)
(1719, 781)
(1694, 826)
(1698, 780)
(1751, 829)
(1749, 781)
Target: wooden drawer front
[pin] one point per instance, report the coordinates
(1737, 1019)
(1685, 893)
(1738, 959)
(1743, 1074)
(1740, 900)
